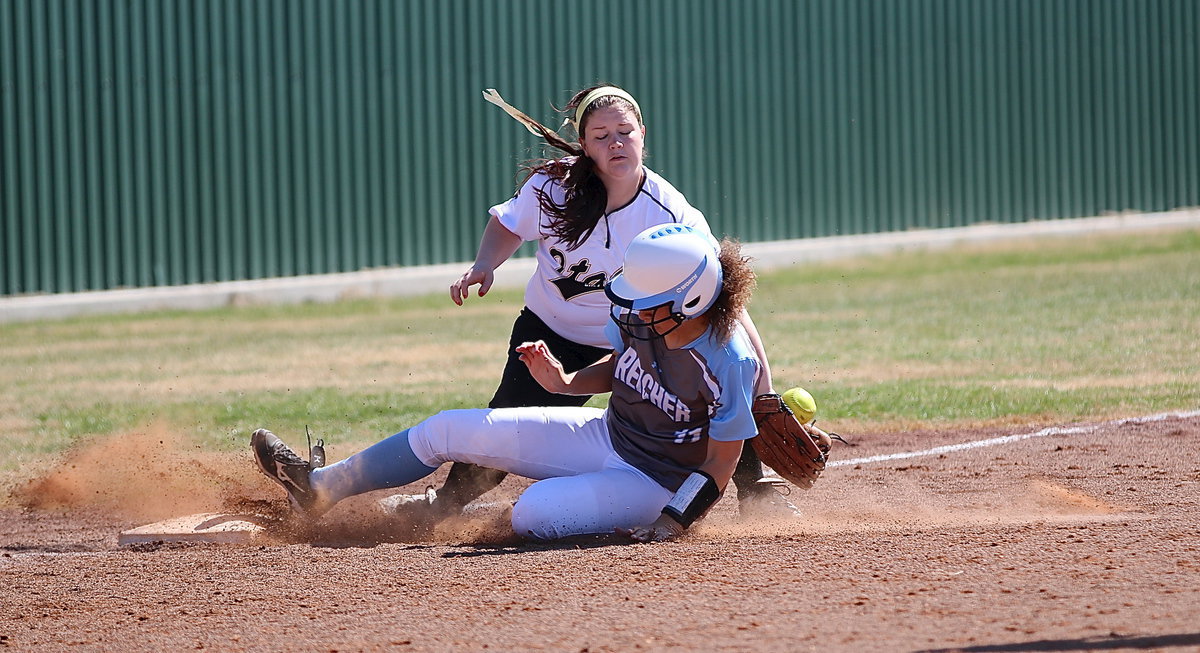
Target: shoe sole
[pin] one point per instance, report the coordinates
(260, 442)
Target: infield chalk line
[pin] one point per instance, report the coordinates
(991, 442)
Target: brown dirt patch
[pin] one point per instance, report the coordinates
(1082, 541)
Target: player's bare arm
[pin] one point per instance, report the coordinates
(548, 371)
(497, 245)
(764, 385)
(722, 459)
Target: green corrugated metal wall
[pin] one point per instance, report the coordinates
(169, 142)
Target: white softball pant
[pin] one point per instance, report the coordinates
(583, 485)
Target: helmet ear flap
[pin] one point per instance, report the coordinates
(703, 287)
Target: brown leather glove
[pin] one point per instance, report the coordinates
(797, 452)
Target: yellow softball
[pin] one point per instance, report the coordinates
(802, 404)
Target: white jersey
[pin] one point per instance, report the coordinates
(567, 288)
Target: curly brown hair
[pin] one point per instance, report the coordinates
(736, 288)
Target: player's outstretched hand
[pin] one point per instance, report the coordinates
(461, 288)
(664, 528)
(543, 366)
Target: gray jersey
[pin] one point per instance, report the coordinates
(667, 403)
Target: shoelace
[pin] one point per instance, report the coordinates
(316, 455)
(287, 456)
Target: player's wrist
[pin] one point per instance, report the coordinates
(692, 500)
(565, 381)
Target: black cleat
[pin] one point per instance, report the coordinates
(284, 467)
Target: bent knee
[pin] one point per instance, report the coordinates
(542, 514)
(527, 523)
(530, 518)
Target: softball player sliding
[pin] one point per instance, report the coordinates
(682, 375)
(582, 210)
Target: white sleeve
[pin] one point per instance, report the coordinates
(522, 214)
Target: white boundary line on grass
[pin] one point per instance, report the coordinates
(1053, 430)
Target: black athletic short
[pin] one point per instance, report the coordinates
(518, 387)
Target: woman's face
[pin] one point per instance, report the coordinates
(658, 318)
(613, 139)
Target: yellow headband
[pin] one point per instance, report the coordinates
(604, 91)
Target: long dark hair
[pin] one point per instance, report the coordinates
(586, 198)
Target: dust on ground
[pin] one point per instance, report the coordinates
(1083, 541)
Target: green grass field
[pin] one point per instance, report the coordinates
(1044, 331)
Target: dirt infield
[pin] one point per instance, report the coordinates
(1077, 539)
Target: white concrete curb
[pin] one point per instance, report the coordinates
(393, 282)
(791, 252)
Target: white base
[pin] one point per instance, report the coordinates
(207, 527)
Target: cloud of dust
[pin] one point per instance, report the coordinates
(157, 473)
(908, 505)
(149, 474)
(364, 521)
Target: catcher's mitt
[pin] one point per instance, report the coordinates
(796, 451)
